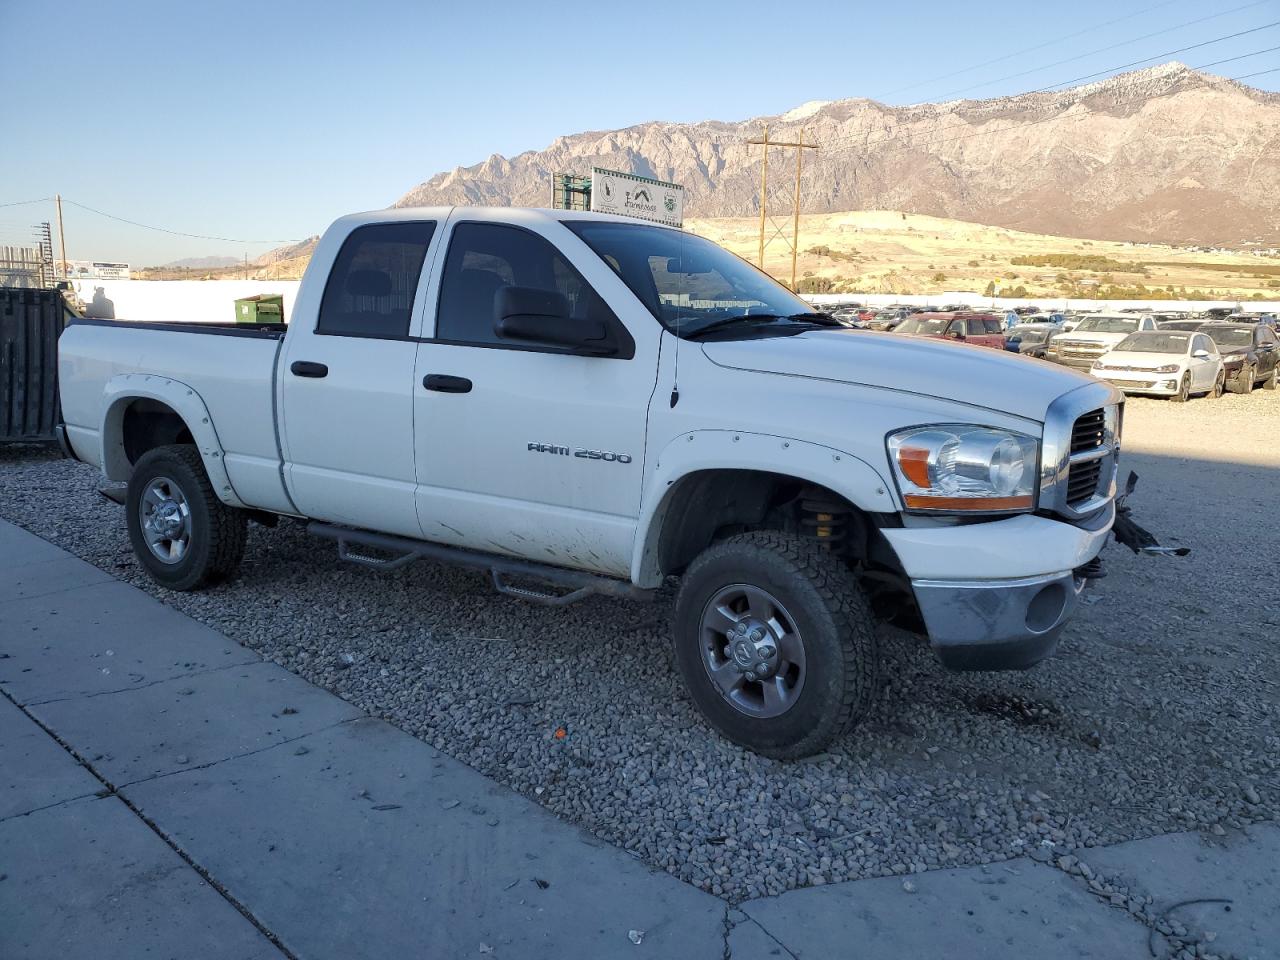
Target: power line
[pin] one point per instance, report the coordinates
(176, 233)
(1114, 46)
(1019, 53)
(23, 203)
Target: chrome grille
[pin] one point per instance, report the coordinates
(1080, 448)
(1089, 431)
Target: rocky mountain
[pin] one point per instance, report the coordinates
(1166, 154)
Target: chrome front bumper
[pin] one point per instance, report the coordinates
(997, 624)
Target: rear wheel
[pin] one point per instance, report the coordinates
(776, 644)
(1184, 389)
(182, 534)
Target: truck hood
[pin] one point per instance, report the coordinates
(992, 379)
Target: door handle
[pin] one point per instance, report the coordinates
(308, 368)
(443, 383)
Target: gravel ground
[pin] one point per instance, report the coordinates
(1159, 713)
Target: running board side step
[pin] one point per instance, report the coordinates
(404, 550)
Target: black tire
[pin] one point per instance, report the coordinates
(1184, 389)
(1270, 382)
(1244, 382)
(215, 534)
(830, 614)
(1219, 385)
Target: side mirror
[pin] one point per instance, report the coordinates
(1200, 354)
(542, 316)
(956, 334)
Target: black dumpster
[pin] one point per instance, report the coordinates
(30, 323)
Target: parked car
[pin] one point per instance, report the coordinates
(1182, 324)
(1169, 363)
(1250, 352)
(1030, 339)
(886, 319)
(1269, 319)
(1094, 336)
(497, 388)
(979, 329)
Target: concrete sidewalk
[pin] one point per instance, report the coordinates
(167, 792)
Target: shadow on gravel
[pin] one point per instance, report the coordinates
(1159, 713)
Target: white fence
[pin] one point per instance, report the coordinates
(186, 301)
(1000, 304)
(205, 301)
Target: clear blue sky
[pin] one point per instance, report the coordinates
(266, 120)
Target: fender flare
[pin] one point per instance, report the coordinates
(123, 389)
(851, 477)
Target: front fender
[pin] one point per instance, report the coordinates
(854, 479)
(123, 389)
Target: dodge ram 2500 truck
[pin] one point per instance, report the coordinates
(583, 404)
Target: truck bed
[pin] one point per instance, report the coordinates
(231, 367)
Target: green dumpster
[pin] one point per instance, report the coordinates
(260, 308)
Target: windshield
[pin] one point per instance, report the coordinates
(925, 327)
(687, 282)
(1231, 336)
(1029, 336)
(1154, 342)
(1107, 325)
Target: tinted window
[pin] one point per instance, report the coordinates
(486, 257)
(1203, 343)
(991, 325)
(1265, 335)
(687, 282)
(371, 287)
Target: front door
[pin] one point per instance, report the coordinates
(347, 385)
(527, 449)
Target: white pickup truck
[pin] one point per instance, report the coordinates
(597, 405)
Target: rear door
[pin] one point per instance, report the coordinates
(347, 384)
(528, 449)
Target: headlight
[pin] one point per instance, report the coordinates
(961, 467)
(1168, 368)
(1099, 365)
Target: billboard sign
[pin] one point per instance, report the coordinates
(94, 270)
(631, 196)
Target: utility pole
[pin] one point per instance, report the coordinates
(764, 187)
(62, 235)
(800, 146)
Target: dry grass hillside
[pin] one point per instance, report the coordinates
(883, 251)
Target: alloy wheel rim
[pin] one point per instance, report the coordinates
(165, 518)
(752, 651)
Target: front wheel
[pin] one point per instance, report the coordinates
(1270, 382)
(1184, 389)
(182, 534)
(1244, 381)
(775, 642)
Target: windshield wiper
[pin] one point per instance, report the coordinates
(813, 319)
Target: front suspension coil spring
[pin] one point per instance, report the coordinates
(826, 521)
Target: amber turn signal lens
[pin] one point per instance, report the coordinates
(914, 464)
(917, 502)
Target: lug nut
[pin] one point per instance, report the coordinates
(767, 652)
(757, 635)
(751, 675)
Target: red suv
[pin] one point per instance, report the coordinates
(982, 329)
